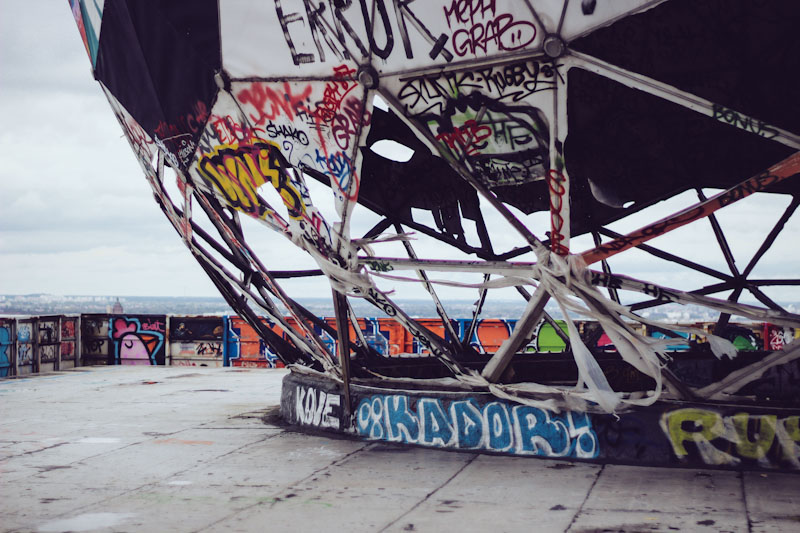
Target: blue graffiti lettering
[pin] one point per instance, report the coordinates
(496, 426)
(402, 425)
(436, 428)
(467, 418)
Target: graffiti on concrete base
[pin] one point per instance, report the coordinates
(729, 440)
(317, 408)
(467, 425)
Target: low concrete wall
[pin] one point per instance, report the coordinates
(665, 434)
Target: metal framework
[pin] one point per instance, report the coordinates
(554, 271)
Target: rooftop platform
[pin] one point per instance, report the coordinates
(128, 448)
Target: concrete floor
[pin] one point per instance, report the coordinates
(183, 449)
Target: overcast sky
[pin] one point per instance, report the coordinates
(77, 216)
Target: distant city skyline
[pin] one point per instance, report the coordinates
(48, 304)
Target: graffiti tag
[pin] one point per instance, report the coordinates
(466, 425)
(728, 440)
(317, 408)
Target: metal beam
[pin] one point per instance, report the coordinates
(343, 338)
(775, 174)
(497, 365)
(739, 378)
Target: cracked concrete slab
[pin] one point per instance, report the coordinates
(160, 448)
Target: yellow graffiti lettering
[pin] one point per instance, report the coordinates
(698, 426)
(214, 175)
(693, 425)
(728, 440)
(789, 437)
(237, 171)
(763, 434)
(266, 168)
(792, 425)
(242, 182)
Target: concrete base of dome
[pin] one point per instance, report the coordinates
(668, 433)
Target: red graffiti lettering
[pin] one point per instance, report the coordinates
(469, 138)
(555, 181)
(335, 93)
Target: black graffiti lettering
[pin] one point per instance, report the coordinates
(287, 131)
(402, 11)
(399, 5)
(384, 52)
(614, 283)
(619, 244)
(341, 22)
(520, 80)
(378, 299)
(756, 184)
(652, 290)
(743, 122)
(512, 83)
(285, 20)
(316, 27)
(332, 32)
(93, 345)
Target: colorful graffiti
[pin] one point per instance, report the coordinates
(197, 341)
(68, 338)
(503, 144)
(246, 349)
(237, 172)
(776, 337)
(467, 425)
(138, 341)
(6, 345)
(696, 435)
(88, 16)
(729, 440)
(25, 355)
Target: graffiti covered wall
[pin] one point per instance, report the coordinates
(6, 347)
(246, 348)
(495, 426)
(138, 340)
(26, 356)
(718, 438)
(665, 434)
(95, 341)
(197, 341)
(69, 342)
(48, 343)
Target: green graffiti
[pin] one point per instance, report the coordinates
(763, 434)
(726, 440)
(698, 426)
